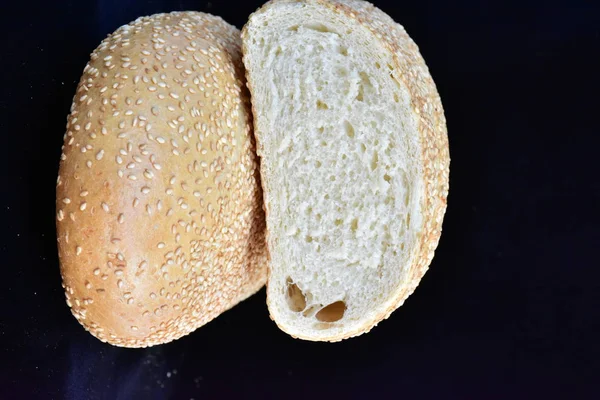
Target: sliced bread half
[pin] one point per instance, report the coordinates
(354, 162)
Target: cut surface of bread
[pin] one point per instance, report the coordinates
(159, 209)
(354, 162)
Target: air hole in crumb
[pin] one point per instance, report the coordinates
(293, 28)
(338, 222)
(295, 297)
(323, 143)
(319, 217)
(387, 178)
(332, 178)
(361, 92)
(396, 99)
(321, 105)
(344, 156)
(318, 164)
(377, 65)
(401, 247)
(321, 129)
(408, 220)
(365, 82)
(343, 50)
(363, 147)
(310, 311)
(327, 197)
(374, 161)
(278, 51)
(318, 27)
(349, 129)
(354, 224)
(309, 239)
(333, 312)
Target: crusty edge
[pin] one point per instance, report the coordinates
(427, 105)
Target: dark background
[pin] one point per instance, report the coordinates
(510, 308)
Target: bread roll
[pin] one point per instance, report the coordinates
(354, 162)
(159, 217)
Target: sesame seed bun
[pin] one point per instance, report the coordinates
(159, 211)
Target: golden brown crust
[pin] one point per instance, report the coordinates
(413, 73)
(159, 219)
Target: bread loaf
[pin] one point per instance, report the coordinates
(159, 210)
(354, 162)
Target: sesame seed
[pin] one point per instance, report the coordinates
(97, 271)
(99, 155)
(105, 207)
(161, 245)
(121, 218)
(66, 200)
(83, 206)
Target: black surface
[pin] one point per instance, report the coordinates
(510, 307)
